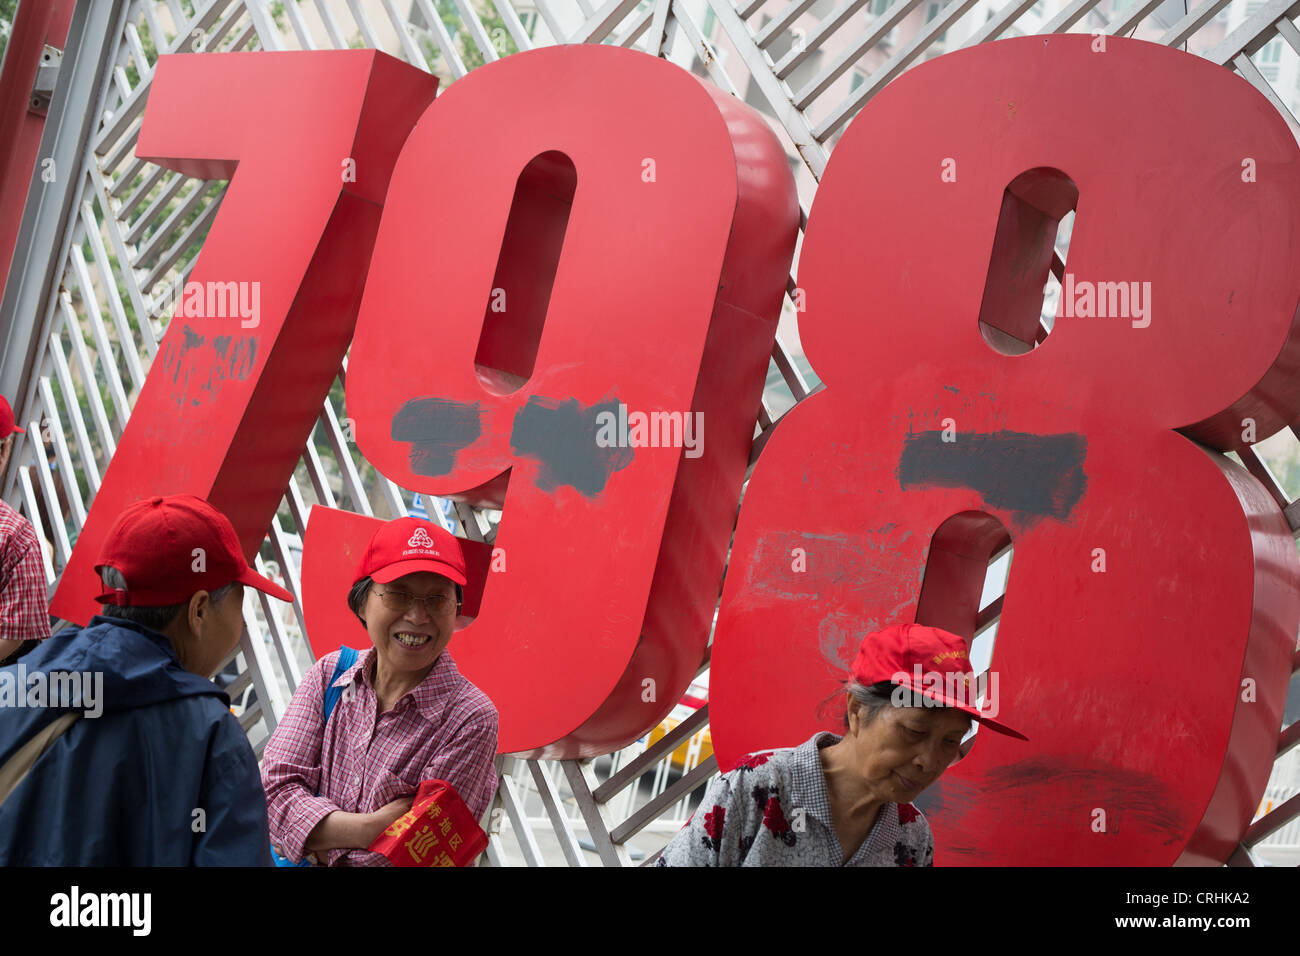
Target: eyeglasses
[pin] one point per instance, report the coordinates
(434, 604)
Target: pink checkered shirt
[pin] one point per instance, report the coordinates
(445, 729)
(24, 597)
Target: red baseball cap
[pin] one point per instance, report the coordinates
(406, 545)
(899, 653)
(7, 426)
(154, 545)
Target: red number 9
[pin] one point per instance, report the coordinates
(552, 247)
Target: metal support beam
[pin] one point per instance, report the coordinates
(46, 231)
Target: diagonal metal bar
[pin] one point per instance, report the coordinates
(800, 52)
(1181, 31)
(896, 65)
(108, 281)
(1288, 739)
(133, 108)
(790, 371)
(443, 39)
(41, 464)
(646, 760)
(774, 91)
(89, 381)
(601, 24)
(264, 24)
(28, 303)
(1272, 821)
(1287, 31)
(656, 806)
(331, 25)
(89, 467)
(143, 66)
(1247, 69)
(174, 254)
(1263, 474)
(477, 32)
(841, 64)
(1254, 32)
(156, 243)
(154, 26)
(659, 28)
(124, 181)
(1069, 16)
(639, 26)
(703, 49)
(1000, 22)
(611, 852)
(781, 22)
(299, 25)
(550, 798)
(68, 477)
(552, 21)
(124, 260)
(368, 38)
(33, 515)
(1133, 17)
(155, 208)
(107, 359)
(514, 25)
(513, 804)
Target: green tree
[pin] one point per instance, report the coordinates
(8, 9)
(148, 44)
(466, 48)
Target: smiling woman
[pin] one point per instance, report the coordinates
(335, 783)
(846, 801)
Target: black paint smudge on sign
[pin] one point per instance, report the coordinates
(437, 429)
(238, 358)
(561, 435)
(1038, 476)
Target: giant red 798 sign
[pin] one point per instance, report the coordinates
(573, 228)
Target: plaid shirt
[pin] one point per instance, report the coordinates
(24, 597)
(446, 729)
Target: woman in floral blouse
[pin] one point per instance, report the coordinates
(846, 801)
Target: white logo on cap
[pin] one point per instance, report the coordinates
(421, 543)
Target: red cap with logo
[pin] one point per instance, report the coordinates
(899, 653)
(168, 548)
(406, 545)
(7, 426)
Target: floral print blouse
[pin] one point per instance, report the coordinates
(773, 810)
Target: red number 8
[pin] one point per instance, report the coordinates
(927, 446)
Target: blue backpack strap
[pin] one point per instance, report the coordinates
(347, 657)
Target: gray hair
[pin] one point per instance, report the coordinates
(872, 699)
(154, 618)
(875, 698)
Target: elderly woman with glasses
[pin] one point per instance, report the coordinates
(846, 800)
(405, 714)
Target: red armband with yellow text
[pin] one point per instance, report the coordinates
(438, 830)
